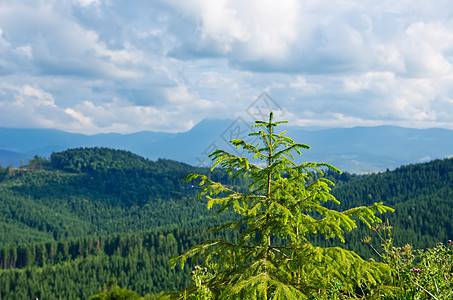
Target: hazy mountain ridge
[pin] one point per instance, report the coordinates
(357, 149)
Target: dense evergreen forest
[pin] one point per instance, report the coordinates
(85, 216)
(421, 194)
(97, 191)
(77, 268)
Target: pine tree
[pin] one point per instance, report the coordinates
(284, 202)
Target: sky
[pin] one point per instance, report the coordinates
(98, 66)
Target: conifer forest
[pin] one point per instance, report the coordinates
(100, 223)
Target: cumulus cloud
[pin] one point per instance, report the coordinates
(245, 31)
(30, 107)
(99, 66)
(60, 45)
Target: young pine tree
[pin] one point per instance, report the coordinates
(284, 202)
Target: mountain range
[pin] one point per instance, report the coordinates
(356, 150)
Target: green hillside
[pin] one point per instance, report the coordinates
(95, 191)
(88, 215)
(421, 194)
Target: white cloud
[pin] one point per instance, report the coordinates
(427, 47)
(301, 83)
(35, 97)
(85, 3)
(369, 81)
(256, 29)
(28, 106)
(84, 121)
(60, 45)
